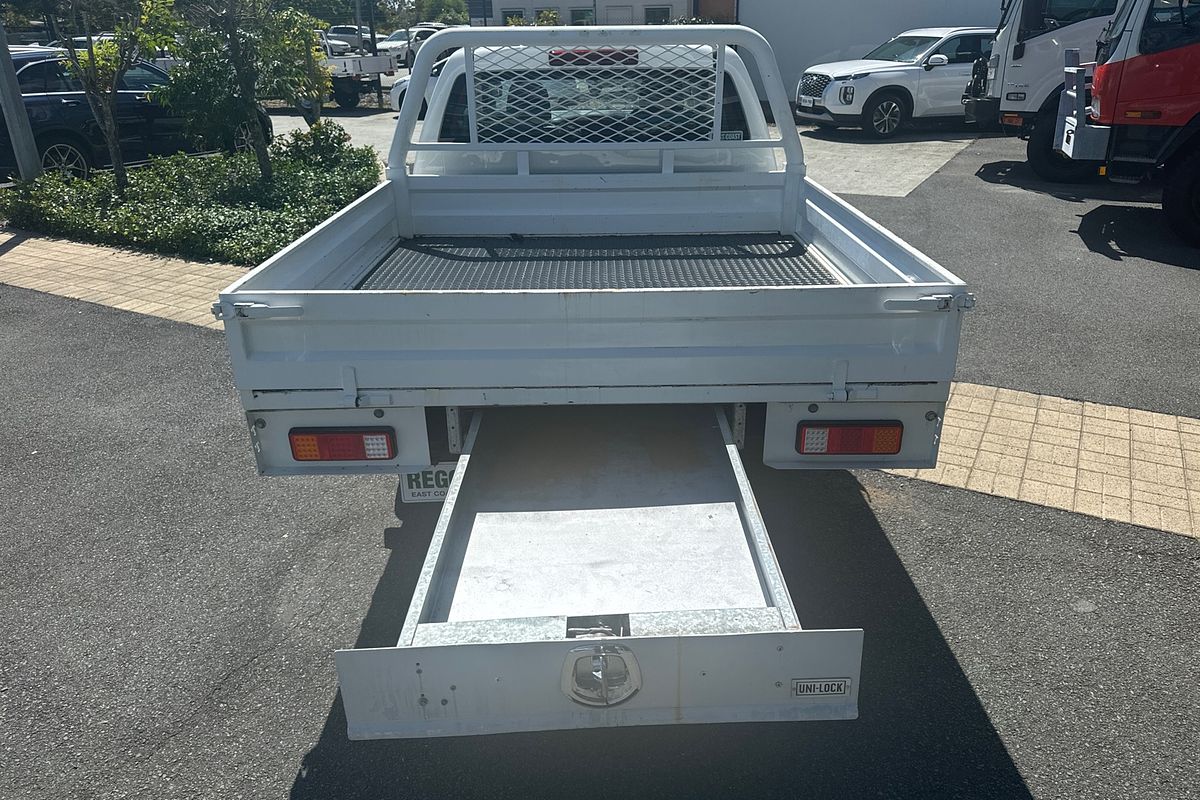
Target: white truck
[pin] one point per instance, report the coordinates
(593, 257)
(353, 75)
(1019, 84)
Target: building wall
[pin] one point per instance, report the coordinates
(610, 12)
(801, 32)
(807, 32)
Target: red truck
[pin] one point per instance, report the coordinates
(1140, 113)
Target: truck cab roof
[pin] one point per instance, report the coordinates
(944, 32)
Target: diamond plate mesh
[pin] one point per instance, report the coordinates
(591, 262)
(618, 95)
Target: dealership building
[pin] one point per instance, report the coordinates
(802, 32)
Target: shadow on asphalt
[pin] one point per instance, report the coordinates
(951, 131)
(1018, 174)
(1119, 232)
(333, 112)
(922, 730)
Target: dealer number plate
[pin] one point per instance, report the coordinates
(428, 485)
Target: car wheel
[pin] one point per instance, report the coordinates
(884, 114)
(1181, 199)
(1049, 164)
(346, 98)
(65, 156)
(241, 138)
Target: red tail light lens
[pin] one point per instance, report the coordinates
(849, 438)
(342, 444)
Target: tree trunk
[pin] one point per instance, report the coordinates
(103, 109)
(113, 138)
(247, 79)
(311, 115)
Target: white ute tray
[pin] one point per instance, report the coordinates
(611, 551)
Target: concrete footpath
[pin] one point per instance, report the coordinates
(1105, 461)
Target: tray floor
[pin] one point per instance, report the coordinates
(604, 262)
(577, 511)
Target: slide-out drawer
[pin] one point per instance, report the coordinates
(594, 567)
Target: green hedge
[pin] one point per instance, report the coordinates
(213, 207)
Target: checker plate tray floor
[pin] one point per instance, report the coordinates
(607, 262)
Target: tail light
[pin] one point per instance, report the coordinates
(342, 444)
(856, 438)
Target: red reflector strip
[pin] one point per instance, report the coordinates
(849, 438)
(342, 444)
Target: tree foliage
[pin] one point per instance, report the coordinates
(451, 12)
(545, 17)
(389, 14)
(100, 63)
(214, 208)
(235, 51)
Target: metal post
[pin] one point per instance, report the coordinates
(374, 51)
(15, 117)
(371, 26)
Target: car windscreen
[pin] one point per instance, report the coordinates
(902, 48)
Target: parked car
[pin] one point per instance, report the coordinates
(396, 44)
(333, 46)
(405, 43)
(357, 36)
(67, 135)
(916, 75)
(400, 88)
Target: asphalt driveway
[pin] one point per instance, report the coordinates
(169, 617)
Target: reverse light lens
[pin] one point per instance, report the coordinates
(342, 444)
(849, 438)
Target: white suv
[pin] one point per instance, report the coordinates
(919, 74)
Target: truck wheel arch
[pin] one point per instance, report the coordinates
(1181, 195)
(1182, 143)
(1050, 104)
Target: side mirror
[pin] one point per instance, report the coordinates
(936, 60)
